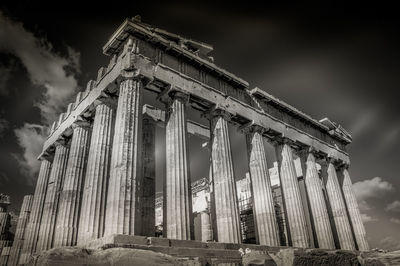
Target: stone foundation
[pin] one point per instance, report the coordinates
(140, 250)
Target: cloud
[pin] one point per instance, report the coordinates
(30, 137)
(366, 218)
(46, 68)
(394, 206)
(390, 243)
(5, 75)
(370, 188)
(50, 72)
(395, 220)
(3, 126)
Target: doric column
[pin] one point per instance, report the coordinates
(338, 207)
(70, 197)
(123, 197)
(205, 224)
(32, 230)
(224, 186)
(20, 230)
(296, 220)
(149, 176)
(263, 203)
(177, 183)
(50, 208)
(353, 210)
(92, 214)
(316, 199)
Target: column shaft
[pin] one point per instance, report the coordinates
(263, 203)
(92, 215)
(338, 209)
(354, 212)
(296, 221)
(319, 211)
(123, 196)
(149, 177)
(177, 183)
(70, 197)
(224, 186)
(206, 230)
(50, 208)
(32, 230)
(23, 218)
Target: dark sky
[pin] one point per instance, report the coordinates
(333, 60)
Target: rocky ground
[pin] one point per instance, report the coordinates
(129, 256)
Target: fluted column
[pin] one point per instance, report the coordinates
(178, 186)
(263, 203)
(205, 223)
(149, 176)
(123, 202)
(70, 197)
(296, 220)
(20, 230)
(354, 211)
(338, 207)
(319, 211)
(92, 215)
(224, 186)
(54, 187)
(32, 230)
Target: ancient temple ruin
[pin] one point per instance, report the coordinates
(97, 175)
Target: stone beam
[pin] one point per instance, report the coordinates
(160, 76)
(193, 128)
(169, 77)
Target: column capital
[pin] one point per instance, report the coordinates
(219, 111)
(251, 128)
(171, 93)
(281, 140)
(304, 151)
(81, 124)
(62, 142)
(108, 100)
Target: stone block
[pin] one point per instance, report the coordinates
(204, 253)
(235, 246)
(158, 241)
(215, 245)
(187, 243)
(129, 239)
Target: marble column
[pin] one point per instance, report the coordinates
(123, 197)
(54, 187)
(353, 211)
(149, 176)
(177, 183)
(224, 186)
(205, 223)
(295, 217)
(92, 215)
(263, 204)
(35, 218)
(338, 207)
(316, 199)
(70, 197)
(18, 242)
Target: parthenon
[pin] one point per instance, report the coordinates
(97, 175)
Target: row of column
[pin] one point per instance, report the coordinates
(104, 187)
